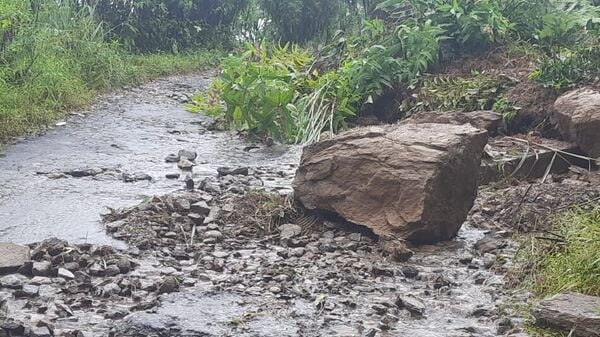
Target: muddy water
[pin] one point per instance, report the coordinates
(130, 131)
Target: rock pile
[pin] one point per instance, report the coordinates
(63, 283)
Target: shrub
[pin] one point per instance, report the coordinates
(469, 25)
(569, 68)
(258, 89)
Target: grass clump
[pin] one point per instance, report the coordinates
(569, 260)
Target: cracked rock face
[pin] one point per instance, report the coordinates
(411, 182)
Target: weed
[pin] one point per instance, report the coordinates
(507, 109)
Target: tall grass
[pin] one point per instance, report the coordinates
(54, 57)
(569, 260)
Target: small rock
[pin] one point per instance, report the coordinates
(13, 328)
(411, 303)
(212, 227)
(41, 268)
(96, 270)
(172, 158)
(370, 333)
(201, 208)
(209, 186)
(504, 325)
(465, 260)
(182, 204)
(113, 227)
(570, 312)
(221, 254)
(40, 331)
(298, 252)
(142, 177)
(112, 270)
(111, 289)
(72, 266)
(189, 183)
(172, 175)
(197, 219)
(66, 274)
(39, 280)
(397, 249)
(275, 289)
(124, 265)
(170, 235)
(216, 235)
(185, 164)
(288, 231)
(227, 171)
(490, 243)
(169, 284)
(28, 290)
(187, 154)
(410, 271)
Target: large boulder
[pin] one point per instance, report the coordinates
(412, 182)
(570, 312)
(577, 114)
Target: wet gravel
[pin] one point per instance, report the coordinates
(45, 190)
(170, 260)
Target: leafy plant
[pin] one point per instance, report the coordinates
(507, 109)
(258, 89)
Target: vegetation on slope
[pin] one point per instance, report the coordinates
(392, 51)
(56, 56)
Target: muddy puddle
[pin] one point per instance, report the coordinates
(129, 132)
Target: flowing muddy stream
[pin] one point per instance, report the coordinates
(334, 283)
(130, 132)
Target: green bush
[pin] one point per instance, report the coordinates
(258, 89)
(273, 92)
(469, 25)
(392, 57)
